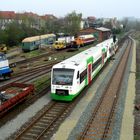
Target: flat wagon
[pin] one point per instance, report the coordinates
(13, 94)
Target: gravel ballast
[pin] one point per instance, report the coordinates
(127, 131)
(13, 125)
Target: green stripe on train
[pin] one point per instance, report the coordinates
(67, 97)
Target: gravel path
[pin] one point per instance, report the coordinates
(124, 120)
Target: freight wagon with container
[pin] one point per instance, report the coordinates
(32, 43)
(69, 77)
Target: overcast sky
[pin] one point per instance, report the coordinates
(60, 8)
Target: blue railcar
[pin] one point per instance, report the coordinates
(5, 70)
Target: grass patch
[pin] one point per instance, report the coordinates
(42, 82)
(136, 137)
(138, 75)
(32, 53)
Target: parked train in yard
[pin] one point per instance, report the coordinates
(63, 42)
(70, 76)
(32, 43)
(72, 42)
(83, 40)
(5, 70)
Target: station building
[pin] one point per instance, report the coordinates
(100, 33)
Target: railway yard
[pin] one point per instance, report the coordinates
(108, 108)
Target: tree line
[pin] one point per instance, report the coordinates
(15, 32)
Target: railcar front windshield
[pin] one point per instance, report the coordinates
(62, 76)
(2, 57)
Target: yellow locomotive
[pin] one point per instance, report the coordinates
(63, 42)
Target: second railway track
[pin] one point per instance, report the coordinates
(100, 125)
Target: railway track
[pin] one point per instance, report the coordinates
(31, 74)
(46, 122)
(26, 79)
(100, 125)
(37, 57)
(49, 54)
(48, 118)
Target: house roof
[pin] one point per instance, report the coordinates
(36, 38)
(7, 14)
(48, 16)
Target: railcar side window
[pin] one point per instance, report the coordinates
(96, 64)
(63, 76)
(83, 75)
(77, 74)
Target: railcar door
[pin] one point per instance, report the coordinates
(103, 57)
(89, 73)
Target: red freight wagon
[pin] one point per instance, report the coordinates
(12, 94)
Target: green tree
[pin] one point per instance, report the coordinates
(72, 23)
(3, 37)
(53, 25)
(14, 34)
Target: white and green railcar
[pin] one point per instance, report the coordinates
(70, 76)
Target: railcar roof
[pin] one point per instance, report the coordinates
(103, 29)
(75, 60)
(94, 51)
(106, 42)
(35, 38)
